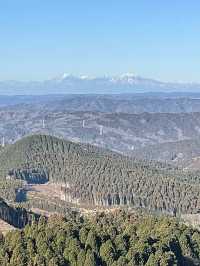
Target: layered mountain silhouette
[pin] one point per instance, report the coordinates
(69, 84)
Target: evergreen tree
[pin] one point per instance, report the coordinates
(107, 252)
(90, 258)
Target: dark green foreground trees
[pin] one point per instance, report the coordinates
(116, 240)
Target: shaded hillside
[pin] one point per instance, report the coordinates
(18, 217)
(98, 178)
(12, 190)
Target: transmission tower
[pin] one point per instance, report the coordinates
(43, 124)
(3, 142)
(101, 130)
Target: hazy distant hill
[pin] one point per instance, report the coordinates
(100, 178)
(159, 125)
(126, 104)
(120, 131)
(69, 84)
(123, 103)
(181, 153)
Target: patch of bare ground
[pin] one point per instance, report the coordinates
(5, 227)
(48, 190)
(93, 211)
(53, 194)
(193, 165)
(43, 212)
(191, 220)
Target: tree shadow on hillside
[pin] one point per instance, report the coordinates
(190, 262)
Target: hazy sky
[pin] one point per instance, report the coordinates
(40, 39)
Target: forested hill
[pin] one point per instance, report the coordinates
(101, 177)
(38, 158)
(41, 158)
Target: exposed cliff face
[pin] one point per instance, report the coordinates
(33, 176)
(18, 217)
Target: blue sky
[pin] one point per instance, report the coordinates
(40, 39)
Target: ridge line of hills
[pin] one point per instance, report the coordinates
(102, 85)
(125, 133)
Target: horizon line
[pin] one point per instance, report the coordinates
(83, 77)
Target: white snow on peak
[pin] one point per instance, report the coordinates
(65, 75)
(82, 77)
(127, 78)
(128, 75)
(85, 77)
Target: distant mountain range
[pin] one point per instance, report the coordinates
(184, 153)
(155, 126)
(121, 132)
(110, 103)
(69, 84)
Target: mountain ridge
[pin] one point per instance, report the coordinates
(122, 132)
(69, 84)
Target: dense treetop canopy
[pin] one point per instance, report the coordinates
(116, 239)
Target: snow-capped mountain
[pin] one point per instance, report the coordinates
(70, 84)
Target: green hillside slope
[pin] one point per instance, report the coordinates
(100, 178)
